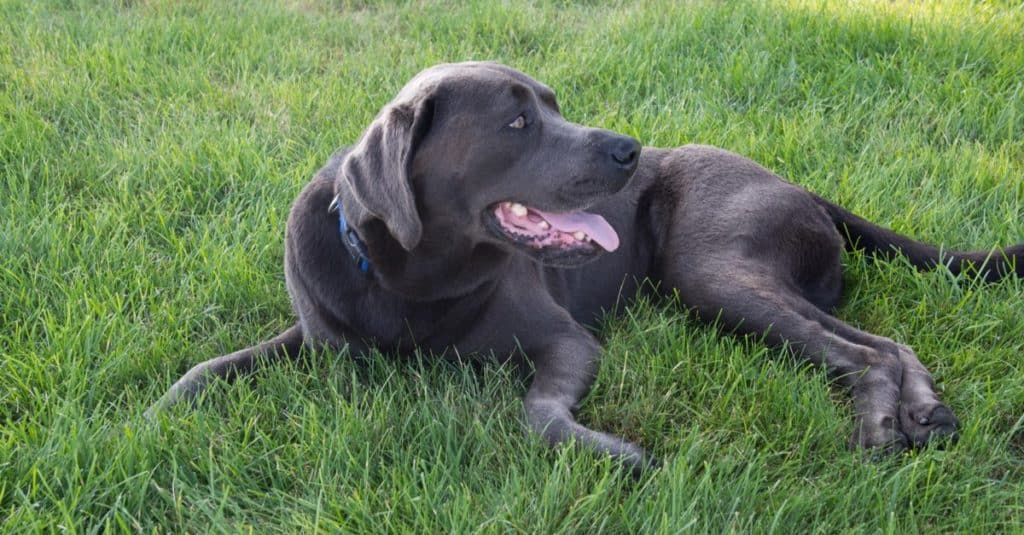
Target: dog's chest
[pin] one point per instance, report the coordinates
(403, 326)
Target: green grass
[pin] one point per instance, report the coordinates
(149, 152)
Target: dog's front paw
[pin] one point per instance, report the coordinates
(642, 462)
(186, 390)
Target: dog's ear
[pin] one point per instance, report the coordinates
(378, 168)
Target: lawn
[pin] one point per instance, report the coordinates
(149, 152)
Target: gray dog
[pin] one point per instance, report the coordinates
(471, 218)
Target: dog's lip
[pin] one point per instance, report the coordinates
(541, 229)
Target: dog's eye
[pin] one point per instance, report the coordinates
(520, 122)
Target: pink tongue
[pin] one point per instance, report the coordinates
(593, 225)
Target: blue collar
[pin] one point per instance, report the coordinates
(355, 245)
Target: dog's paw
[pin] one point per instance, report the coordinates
(151, 413)
(646, 463)
(633, 458)
(929, 423)
(878, 440)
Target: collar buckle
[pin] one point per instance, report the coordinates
(355, 245)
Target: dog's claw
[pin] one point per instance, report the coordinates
(928, 425)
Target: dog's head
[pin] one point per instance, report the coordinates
(483, 150)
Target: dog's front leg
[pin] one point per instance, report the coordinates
(247, 361)
(564, 369)
(229, 367)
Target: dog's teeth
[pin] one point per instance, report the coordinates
(544, 225)
(579, 235)
(518, 210)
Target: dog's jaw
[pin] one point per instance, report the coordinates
(550, 229)
(568, 239)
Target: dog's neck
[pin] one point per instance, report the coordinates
(446, 263)
(350, 238)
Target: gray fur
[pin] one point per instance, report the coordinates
(737, 242)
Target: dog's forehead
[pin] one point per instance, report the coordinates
(469, 77)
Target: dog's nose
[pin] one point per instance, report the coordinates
(625, 151)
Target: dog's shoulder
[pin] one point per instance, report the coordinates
(329, 171)
(316, 197)
(313, 241)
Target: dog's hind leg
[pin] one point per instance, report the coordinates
(229, 367)
(922, 416)
(757, 303)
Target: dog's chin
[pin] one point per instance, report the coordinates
(567, 258)
(548, 246)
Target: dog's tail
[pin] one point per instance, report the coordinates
(862, 234)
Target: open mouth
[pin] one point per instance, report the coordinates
(554, 230)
